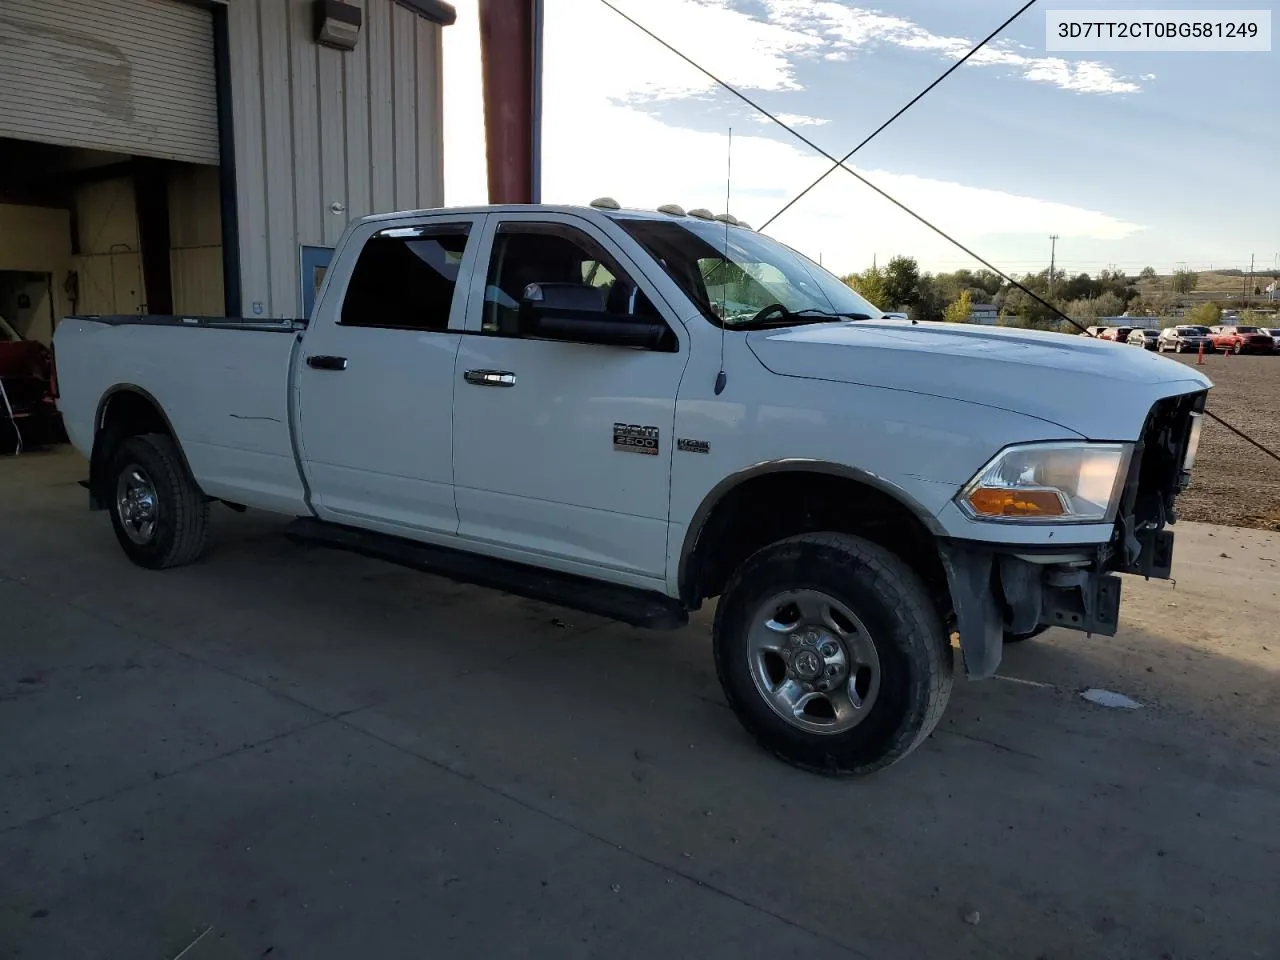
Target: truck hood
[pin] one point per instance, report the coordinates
(1099, 389)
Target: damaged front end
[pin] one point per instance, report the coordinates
(1000, 591)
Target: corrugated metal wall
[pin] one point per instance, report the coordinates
(315, 127)
(129, 75)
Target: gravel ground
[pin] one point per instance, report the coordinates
(1235, 483)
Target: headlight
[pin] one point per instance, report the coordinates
(1049, 483)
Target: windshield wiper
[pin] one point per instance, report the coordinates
(776, 315)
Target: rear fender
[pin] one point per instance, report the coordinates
(109, 432)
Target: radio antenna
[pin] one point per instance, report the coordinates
(722, 378)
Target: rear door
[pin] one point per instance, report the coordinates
(562, 449)
(375, 377)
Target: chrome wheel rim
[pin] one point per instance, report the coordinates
(813, 661)
(137, 504)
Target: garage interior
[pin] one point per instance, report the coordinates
(89, 231)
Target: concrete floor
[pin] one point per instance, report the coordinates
(304, 754)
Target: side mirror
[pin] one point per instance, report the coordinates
(575, 313)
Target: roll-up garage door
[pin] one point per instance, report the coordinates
(130, 76)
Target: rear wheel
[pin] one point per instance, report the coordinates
(832, 653)
(158, 514)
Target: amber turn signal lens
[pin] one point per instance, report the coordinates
(997, 502)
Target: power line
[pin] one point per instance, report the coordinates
(907, 106)
(897, 203)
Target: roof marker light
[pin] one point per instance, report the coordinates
(673, 209)
(606, 203)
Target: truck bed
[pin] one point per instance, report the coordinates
(223, 384)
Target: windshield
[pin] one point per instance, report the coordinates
(1246, 329)
(751, 274)
(7, 333)
(1194, 331)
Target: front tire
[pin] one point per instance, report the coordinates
(159, 515)
(832, 653)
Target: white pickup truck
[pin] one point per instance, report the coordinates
(632, 412)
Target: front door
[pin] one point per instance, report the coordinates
(375, 379)
(563, 449)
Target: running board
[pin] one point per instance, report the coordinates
(639, 608)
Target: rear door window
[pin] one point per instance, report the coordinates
(406, 278)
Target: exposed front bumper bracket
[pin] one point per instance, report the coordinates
(994, 591)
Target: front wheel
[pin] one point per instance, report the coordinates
(832, 653)
(158, 514)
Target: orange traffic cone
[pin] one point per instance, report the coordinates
(1200, 355)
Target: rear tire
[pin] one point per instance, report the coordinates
(837, 606)
(158, 513)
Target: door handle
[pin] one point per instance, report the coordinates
(490, 378)
(319, 362)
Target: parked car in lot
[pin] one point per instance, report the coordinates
(1274, 334)
(1145, 338)
(545, 400)
(1095, 332)
(1183, 338)
(1118, 334)
(1236, 339)
(28, 413)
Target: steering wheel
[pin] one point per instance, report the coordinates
(768, 312)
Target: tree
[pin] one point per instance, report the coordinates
(1019, 310)
(1153, 303)
(1205, 315)
(870, 284)
(901, 279)
(930, 299)
(1184, 281)
(960, 309)
(1148, 273)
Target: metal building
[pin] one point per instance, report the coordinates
(203, 156)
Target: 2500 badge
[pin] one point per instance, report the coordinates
(634, 438)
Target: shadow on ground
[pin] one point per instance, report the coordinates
(321, 755)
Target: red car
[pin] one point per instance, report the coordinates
(1118, 334)
(28, 413)
(1235, 339)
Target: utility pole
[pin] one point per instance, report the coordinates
(1248, 291)
(1053, 249)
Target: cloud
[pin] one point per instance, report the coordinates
(853, 28)
(793, 119)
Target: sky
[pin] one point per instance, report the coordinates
(1166, 159)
